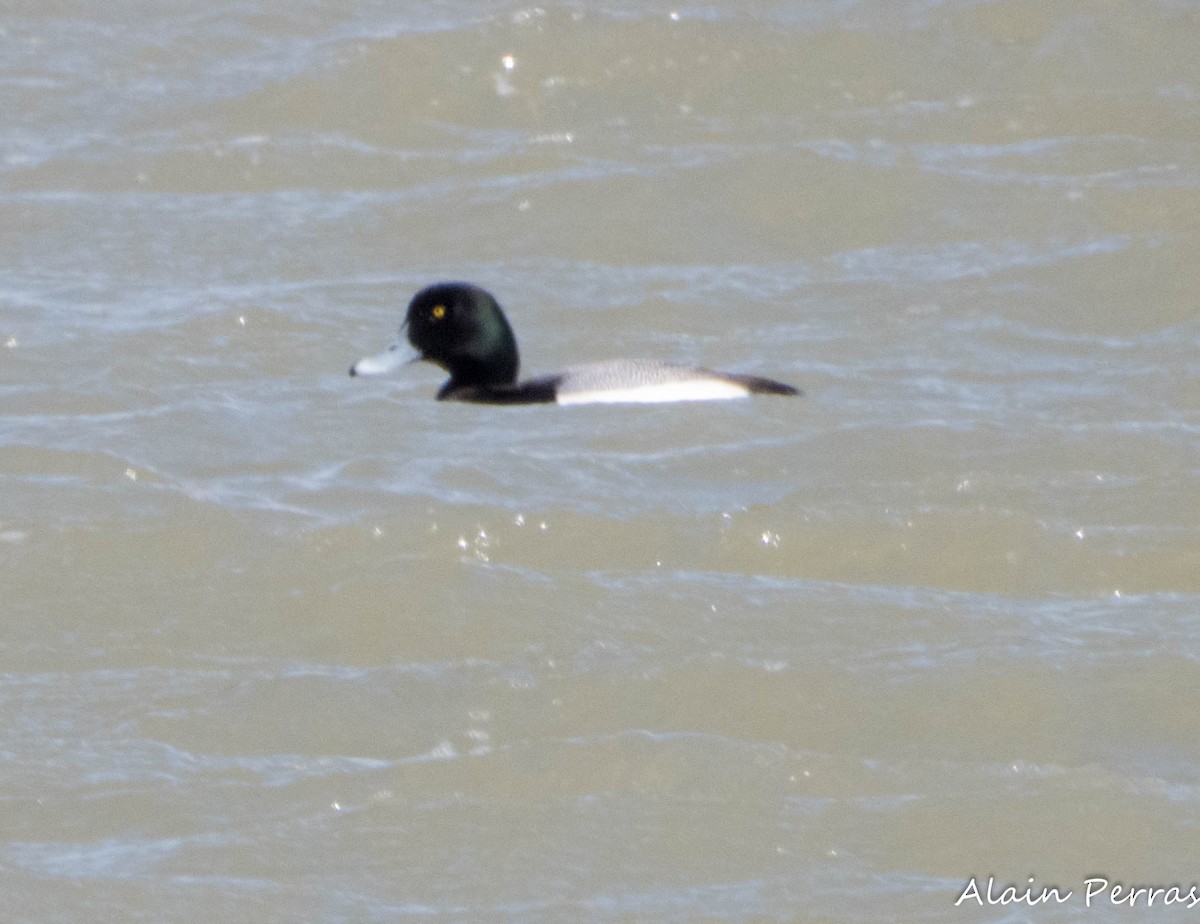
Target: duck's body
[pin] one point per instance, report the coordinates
(461, 328)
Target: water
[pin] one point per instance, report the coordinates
(279, 645)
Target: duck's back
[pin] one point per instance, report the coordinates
(622, 381)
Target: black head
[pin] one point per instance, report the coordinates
(461, 328)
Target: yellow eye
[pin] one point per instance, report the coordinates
(438, 312)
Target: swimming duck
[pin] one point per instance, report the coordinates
(461, 328)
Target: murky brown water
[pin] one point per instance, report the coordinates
(279, 645)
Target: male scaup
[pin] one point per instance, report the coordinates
(461, 328)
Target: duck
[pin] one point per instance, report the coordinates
(461, 328)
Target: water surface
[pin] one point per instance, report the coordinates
(280, 645)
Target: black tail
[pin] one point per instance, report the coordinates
(757, 385)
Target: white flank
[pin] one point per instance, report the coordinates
(697, 390)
